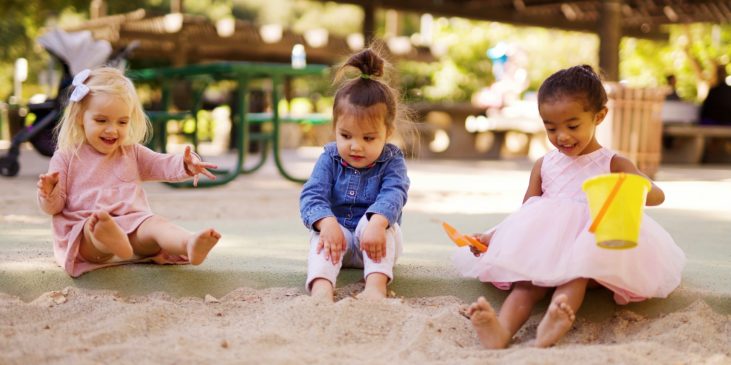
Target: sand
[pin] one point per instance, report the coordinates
(283, 326)
(271, 325)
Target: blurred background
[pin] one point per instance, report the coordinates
(468, 68)
(454, 64)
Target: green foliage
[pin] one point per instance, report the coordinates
(301, 15)
(462, 68)
(414, 77)
(152, 6)
(465, 67)
(20, 24)
(646, 63)
(640, 65)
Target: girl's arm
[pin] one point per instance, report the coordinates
(394, 191)
(315, 196)
(51, 194)
(154, 166)
(534, 183)
(621, 164)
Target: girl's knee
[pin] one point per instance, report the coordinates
(156, 220)
(529, 291)
(581, 283)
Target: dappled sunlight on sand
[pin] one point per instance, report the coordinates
(28, 232)
(465, 192)
(12, 218)
(492, 190)
(698, 195)
(28, 265)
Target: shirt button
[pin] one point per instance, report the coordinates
(351, 193)
(356, 172)
(349, 215)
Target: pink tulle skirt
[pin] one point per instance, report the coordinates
(547, 242)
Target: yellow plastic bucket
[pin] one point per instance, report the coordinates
(616, 202)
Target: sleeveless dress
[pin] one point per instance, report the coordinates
(547, 241)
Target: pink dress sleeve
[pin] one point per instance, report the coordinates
(56, 201)
(154, 166)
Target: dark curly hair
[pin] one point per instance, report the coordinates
(580, 82)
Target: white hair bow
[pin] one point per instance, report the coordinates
(80, 90)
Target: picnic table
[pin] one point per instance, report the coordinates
(242, 73)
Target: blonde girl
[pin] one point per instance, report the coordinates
(93, 187)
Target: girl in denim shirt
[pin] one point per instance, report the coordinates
(352, 202)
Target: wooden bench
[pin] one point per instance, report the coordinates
(679, 112)
(688, 143)
(486, 138)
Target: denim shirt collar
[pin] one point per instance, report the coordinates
(389, 152)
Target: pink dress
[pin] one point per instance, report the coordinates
(90, 181)
(547, 241)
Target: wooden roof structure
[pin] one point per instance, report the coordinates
(197, 40)
(610, 19)
(640, 18)
(194, 39)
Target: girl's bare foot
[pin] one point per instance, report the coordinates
(372, 294)
(557, 321)
(375, 287)
(107, 237)
(492, 335)
(322, 290)
(200, 244)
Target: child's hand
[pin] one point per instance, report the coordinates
(194, 166)
(373, 240)
(46, 183)
(332, 239)
(484, 238)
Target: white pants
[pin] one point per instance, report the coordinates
(353, 257)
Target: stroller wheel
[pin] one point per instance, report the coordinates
(9, 166)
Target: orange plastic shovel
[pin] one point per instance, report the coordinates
(461, 239)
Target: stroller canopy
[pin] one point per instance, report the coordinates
(79, 50)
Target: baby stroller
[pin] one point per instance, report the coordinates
(75, 51)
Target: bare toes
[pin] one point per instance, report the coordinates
(92, 222)
(557, 321)
(566, 309)
(102, 216)
(200, 244)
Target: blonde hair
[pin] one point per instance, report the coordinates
(102, 81)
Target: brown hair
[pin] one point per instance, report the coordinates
(358, 94)
(576, 82)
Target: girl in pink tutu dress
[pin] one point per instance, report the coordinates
(93, 188)
(546, 243)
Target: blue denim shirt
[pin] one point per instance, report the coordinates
(339, 190)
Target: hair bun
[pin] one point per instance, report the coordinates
(368, 62)
(590, 71)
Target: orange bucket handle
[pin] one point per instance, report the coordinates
(607, 203)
